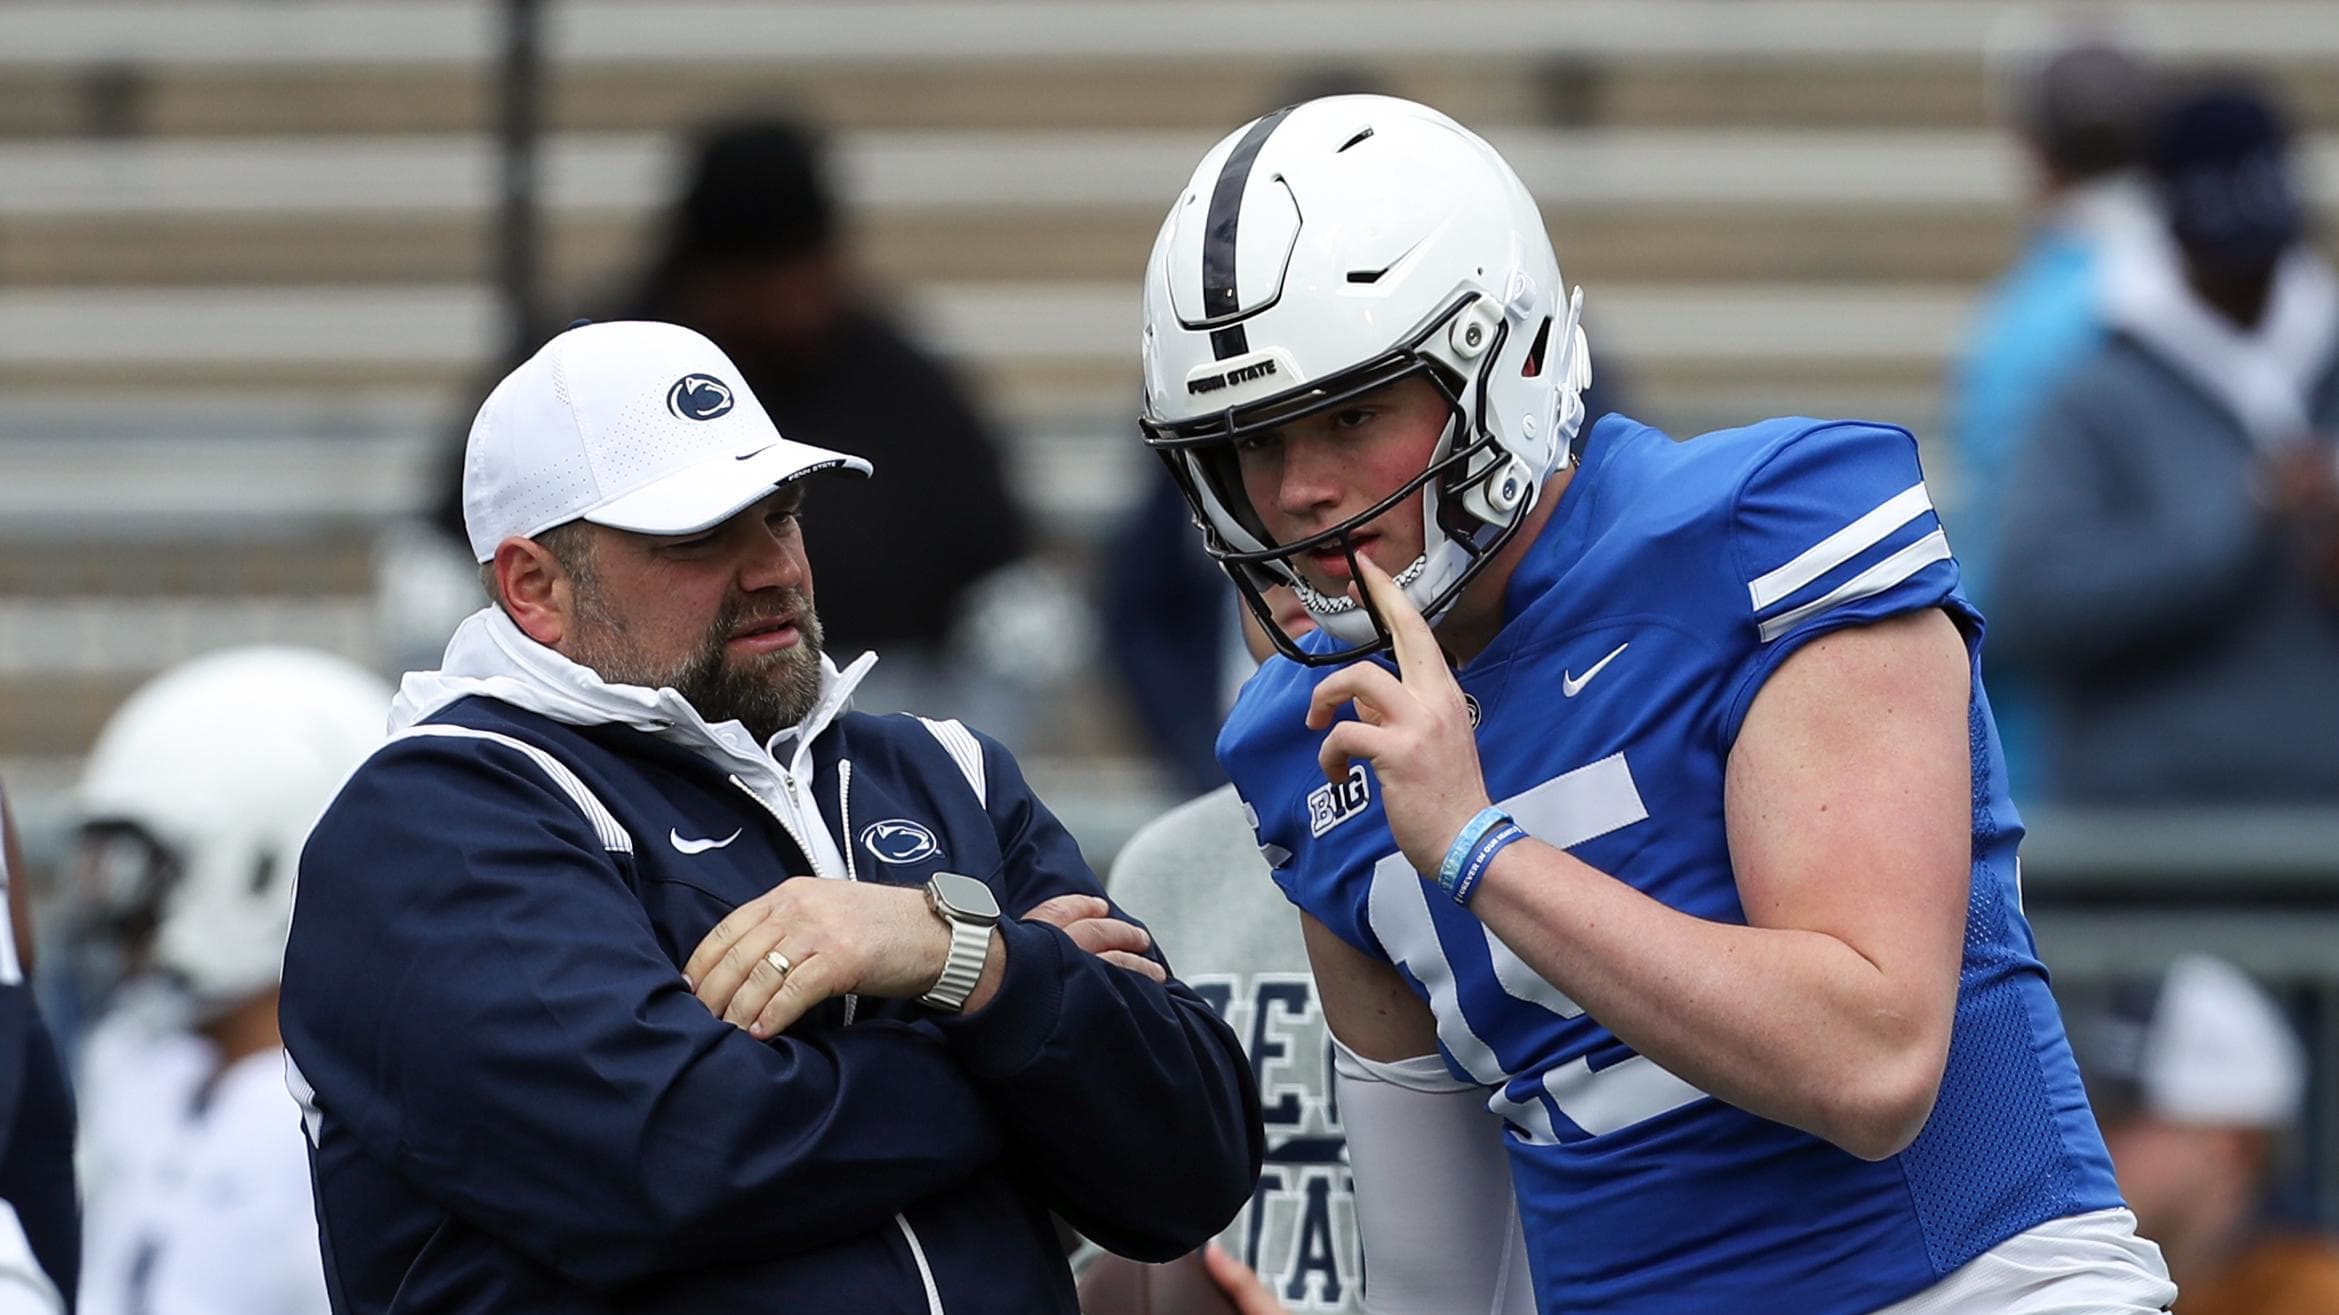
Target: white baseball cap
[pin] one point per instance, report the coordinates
(632, 424)
(2208, 1046)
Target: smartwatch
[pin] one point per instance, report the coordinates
(970, 910)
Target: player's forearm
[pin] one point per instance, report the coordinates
(1796, 1026)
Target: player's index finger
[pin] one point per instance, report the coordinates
(1416, 648)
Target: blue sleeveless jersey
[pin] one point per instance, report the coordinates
(1671, 581)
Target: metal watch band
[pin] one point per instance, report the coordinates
(970, 944)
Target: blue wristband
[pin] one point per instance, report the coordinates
(1482, 857)
(1474, 830)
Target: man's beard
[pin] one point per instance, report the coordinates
(767, 693)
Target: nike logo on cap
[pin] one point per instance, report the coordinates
(701, 846)
(1570, 684)
(756, 453)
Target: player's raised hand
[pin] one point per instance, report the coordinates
(1413, 727)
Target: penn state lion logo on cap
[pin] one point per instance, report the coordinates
(699, 397)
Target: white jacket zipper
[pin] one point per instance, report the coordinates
(925, 1271)
(845, 814)
(845, 820)
(795, 833)
(787, 823)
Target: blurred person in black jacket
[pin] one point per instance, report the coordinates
(751, 255)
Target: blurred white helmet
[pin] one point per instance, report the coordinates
(212, 774)
(1331, 248)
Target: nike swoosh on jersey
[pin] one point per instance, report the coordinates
(701, 846)
(1570, 685)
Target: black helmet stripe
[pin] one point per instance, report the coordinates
(1218, 249)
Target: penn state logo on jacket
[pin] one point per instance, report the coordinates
(898, 840)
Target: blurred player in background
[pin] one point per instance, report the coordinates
(40, 1219)
(193, 807)
(1738, 959)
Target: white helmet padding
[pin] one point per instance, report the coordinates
(1335, 247)
(221, 765)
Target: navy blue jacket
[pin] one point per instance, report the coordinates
(516, 1105)
(36, 1135)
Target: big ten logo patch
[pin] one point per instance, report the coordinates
(1299, 1229)
(1335, 802)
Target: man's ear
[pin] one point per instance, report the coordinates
(536, 592)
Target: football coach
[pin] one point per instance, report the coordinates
(638, 973)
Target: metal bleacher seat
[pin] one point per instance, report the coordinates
(245, 245)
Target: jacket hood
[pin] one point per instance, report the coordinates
(2265, 376)
(490, 657)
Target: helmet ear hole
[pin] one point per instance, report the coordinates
(1533, 367)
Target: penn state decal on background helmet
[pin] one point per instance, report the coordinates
(1331, 248)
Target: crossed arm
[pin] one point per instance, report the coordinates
(1074, 1023)
(524, 1050)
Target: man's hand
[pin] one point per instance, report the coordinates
(2301, 484)
(1241, 1286)
(838, 938)
(1413, 727)
(1089, 922)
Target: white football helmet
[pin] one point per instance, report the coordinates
(1328, 249)
(213, 773)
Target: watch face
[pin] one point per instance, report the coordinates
(965, 896)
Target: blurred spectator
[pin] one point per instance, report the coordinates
(936, 575)
(2176, 510)
(2081, 112)
(195, 803)
(40, 1219)
(1173, 645)
(2197, 1084)
(929, 568)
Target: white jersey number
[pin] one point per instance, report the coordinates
(1565, 811)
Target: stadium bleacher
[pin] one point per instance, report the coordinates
(246, 248)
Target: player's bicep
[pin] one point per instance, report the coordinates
(1366, 1002)
(1848, 799)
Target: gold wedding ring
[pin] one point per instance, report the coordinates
(779, 963)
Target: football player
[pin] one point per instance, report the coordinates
(195, 801)
(1645, 787)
